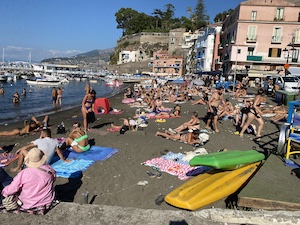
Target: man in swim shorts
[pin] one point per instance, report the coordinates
(213, 103)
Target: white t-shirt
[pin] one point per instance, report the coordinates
(48, 145)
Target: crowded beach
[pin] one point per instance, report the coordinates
(138, 132)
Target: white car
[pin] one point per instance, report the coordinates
(288, 83)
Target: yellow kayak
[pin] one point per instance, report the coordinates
(209, 187)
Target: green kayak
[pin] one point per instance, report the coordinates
(228, 160)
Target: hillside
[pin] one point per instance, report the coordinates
(90, 59)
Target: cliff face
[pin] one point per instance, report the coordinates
(144, 43)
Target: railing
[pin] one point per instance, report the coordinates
(276, 39)
(251, 39)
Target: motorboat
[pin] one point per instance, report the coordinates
(3, 77)
(43, 81)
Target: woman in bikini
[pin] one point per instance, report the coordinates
(189, 138)
(78, 139)
(173, 113)
(32, 126)
(87, 106)
(255, 114)
(192, 124)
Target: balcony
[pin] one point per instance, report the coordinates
(254, 58)
(251, 39)
(276, 39)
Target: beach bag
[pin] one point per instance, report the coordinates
(10, 202)
(91, 118)
(124, 129)
(203, 137)
(251, 129)
(61, 129)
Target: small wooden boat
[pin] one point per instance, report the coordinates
(228, 160)
(210, 187)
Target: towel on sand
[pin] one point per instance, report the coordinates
(80, 161)
(7, 158)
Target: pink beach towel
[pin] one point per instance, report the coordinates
(171, 167)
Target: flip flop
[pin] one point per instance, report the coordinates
(161, 120)
(150, 174)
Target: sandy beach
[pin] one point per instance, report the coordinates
(115, 180)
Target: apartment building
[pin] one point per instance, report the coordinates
(206, 57)
(166, 65)
(261, 36)
(126, 56)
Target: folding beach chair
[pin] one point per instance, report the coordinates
(289, 138)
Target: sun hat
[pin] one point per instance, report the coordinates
(35, 158)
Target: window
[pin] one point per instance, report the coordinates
(274, 52)
(172, 38)
(295, 54)
(250, 51)
(297, 37)
(277, 34)
(279, 14)
(251, 35)
(253, 15)
(299, 17)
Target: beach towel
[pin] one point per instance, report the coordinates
(71, 169)
(80, 161)
(7, 158)
(171, 167)
(115, 112)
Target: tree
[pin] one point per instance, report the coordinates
(220, 17)
(186, 23)
(199, 17)
(123, 17)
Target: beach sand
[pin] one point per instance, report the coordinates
(115, 180)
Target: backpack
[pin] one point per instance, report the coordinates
(61, 129)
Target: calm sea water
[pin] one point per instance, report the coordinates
(39, 101)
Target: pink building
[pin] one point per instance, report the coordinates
(260, 37)
(164, 65)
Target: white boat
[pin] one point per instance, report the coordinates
(44, 82)
(3, 77)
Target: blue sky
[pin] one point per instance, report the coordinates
(55, 28)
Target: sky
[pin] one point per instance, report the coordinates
(38, 29)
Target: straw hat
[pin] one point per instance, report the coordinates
(35, 158)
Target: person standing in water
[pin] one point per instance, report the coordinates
(54, 96)
(59, 96)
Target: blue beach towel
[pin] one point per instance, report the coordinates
(71, 169)
(80, 161)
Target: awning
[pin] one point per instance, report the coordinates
(255, 75)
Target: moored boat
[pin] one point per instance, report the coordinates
(44, 82)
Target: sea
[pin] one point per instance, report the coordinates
(39, 101)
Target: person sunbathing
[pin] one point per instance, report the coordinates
(78, 139)
(189, 138)
(173, 113)
(203, 100)
(281, 113)
(32, 126)
(192, 124)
